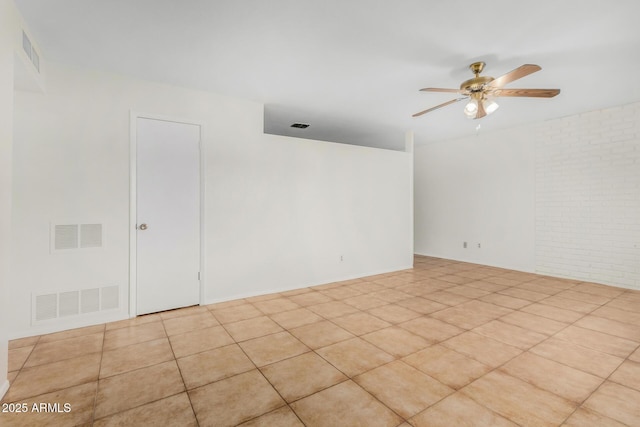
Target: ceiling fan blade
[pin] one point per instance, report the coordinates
(438, 106)
(437, 89)
(533, 93)
(518, 73)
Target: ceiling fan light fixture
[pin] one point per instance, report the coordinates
(471, 108)
(490, 106)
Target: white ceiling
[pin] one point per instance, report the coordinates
(352, 68)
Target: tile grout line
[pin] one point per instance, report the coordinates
(601, 384)
(578, 404)
(347, 376)
(263, 376)
(139, 369)
(95, 397)
(175, 360)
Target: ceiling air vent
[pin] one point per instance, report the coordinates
(300, 125)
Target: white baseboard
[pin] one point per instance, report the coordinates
(325, 281)
(3, 388)
(480, 262)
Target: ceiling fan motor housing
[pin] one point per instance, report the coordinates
(477, 83)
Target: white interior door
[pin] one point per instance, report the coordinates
(168, 215)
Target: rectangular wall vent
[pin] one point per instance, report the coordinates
(71, 303)
(35, 59)
(28, 48)
(46, 307)
(26, 44)
(90, 300)
(65, 237)
(110, 298)
(91, 235)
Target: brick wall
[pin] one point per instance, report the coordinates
(588, 196)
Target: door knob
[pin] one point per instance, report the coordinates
(143, 227)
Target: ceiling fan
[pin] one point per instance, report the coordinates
(482, 90)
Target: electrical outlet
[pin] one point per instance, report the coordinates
(478, 245)
(464, 245)
(341, 258)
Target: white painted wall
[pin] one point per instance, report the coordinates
(295, 206)
(479, 190)
(279, 211)
(8, 26)
(560, 198)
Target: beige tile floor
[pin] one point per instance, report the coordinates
(443, 344)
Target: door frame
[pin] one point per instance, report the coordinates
(133, 182)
